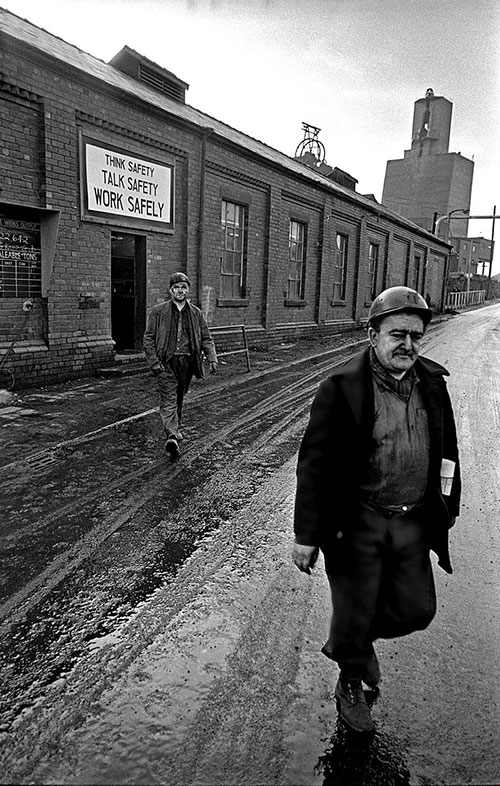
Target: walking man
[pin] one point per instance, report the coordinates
(370, 494)
(174, 342)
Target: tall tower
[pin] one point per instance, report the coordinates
(430, 179)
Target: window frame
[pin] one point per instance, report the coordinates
(297, 256)
(340, 253)
(373, 267)
(418, 258)
(238, 230)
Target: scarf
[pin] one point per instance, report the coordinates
(401, 387)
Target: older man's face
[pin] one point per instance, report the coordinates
(179, 291)
(397, 344)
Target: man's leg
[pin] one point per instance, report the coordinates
(184, 374)
(408, 598)
(355, 582)
(168, 385)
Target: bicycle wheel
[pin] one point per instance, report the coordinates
(6, 379)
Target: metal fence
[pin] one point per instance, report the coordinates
(457, 300)
(229, 330)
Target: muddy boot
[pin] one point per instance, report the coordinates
(172, 447)
(352, 706)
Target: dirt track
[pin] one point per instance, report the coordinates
(171, 640)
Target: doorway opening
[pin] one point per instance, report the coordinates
(128, 291)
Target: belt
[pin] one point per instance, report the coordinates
(391, 511)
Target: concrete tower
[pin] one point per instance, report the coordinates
(429, 179)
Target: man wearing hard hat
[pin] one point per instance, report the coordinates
(371, 493)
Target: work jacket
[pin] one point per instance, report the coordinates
(159, 338)
(338, 441)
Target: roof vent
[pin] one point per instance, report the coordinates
(158, 81)
(135, 65)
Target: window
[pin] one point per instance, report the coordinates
(232, 262)
(373, 251)
(340, 267)
(417, 264)
(20, 258)
(296, 260)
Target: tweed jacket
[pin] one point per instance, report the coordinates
(158, 331)
(337, 442)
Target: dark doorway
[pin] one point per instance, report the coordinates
(128, 291)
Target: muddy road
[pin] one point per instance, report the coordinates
(154, 629)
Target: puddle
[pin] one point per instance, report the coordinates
(351, 759)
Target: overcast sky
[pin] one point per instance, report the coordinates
(353, 68)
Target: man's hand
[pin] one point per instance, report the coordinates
(213, 366)
(305, 557)
(157, 368)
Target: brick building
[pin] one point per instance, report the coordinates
(109, 182)
(471, 255)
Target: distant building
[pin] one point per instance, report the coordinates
(429, 179)
(470, 255)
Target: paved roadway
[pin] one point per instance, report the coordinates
(216, 677)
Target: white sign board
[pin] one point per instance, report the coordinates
(125, 186)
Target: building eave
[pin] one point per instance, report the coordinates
(50, 49)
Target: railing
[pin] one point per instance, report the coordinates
(231, 329)
(457, 300)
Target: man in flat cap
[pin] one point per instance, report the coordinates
(175, 340)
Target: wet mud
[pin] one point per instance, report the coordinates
(154, 629)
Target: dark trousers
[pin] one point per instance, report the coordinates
(382, 586)
(173, 384)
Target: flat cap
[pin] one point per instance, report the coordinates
(176, 278)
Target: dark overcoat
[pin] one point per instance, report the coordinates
(336, 445)
(159, 338)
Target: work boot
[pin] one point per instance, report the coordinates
(172, 447)
(352, 706)
(371, 674)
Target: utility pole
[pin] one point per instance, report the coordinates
(491, 252)
(469, 265)
(436, 221)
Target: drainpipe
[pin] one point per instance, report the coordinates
(444, 289)
(201, 228)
